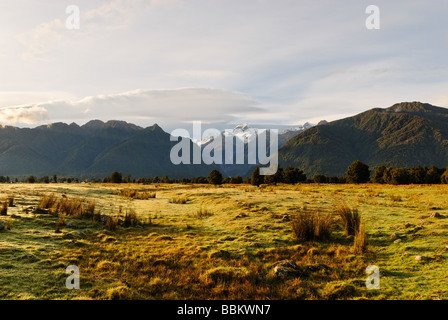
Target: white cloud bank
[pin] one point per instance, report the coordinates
(168, 108)
(23, 115)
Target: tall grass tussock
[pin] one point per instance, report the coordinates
(310, 225)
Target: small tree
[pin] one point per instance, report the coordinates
(236, 180)
(214, 177)
(116, 177)
(275, 178)
(358, 172)
(294, 175)
(31, 179)
(378, 175)
(444, 177)
(256, 178)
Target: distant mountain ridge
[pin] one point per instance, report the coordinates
(404, 135)
(93, 150)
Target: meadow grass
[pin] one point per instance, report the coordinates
(223, 243)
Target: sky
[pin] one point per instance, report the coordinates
(222, 62)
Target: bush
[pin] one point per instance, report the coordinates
(358, 172)
(116, 177)
(351, 219)
(311, 226)
(256, 179)
(215, 177)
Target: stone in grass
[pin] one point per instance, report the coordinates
(397, 241)
(41, 211)
(72, 224)
(395, 235)
(435, 215)
(286, 268)
(418, 258)
(27, 256)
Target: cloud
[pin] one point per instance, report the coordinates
(23, 115)
(168, 107)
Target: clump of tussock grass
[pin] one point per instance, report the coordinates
(77, 207)
(135, 194)
(351, 219)
(312, 226)
(360, 240)
(60, 224)
(8, 224)
(203, 213)
(47, 201)
(112, 223)
(226, 274)
(4, 208)
(10, 201)
(179, 200)
(130, 219)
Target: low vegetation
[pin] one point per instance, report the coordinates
(276, 242)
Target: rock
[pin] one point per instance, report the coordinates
(435, 215)
(223, 254)
(2, 225)
(27, 256)
(254, 244)
(397, 241)
(318, 267)
(72, 224)
(395, 235)
(418, 258)
(41, 211)
(286, 268)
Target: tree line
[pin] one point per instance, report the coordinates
(357, 172)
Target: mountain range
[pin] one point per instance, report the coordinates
(404, 135)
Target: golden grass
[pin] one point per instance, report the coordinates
(229, 254)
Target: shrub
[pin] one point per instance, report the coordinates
(350, 218)
(358, 172)
(256, 179)
(215, 177)
(116, 177)
(311, 226)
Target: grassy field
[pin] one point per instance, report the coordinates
(206, 242)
